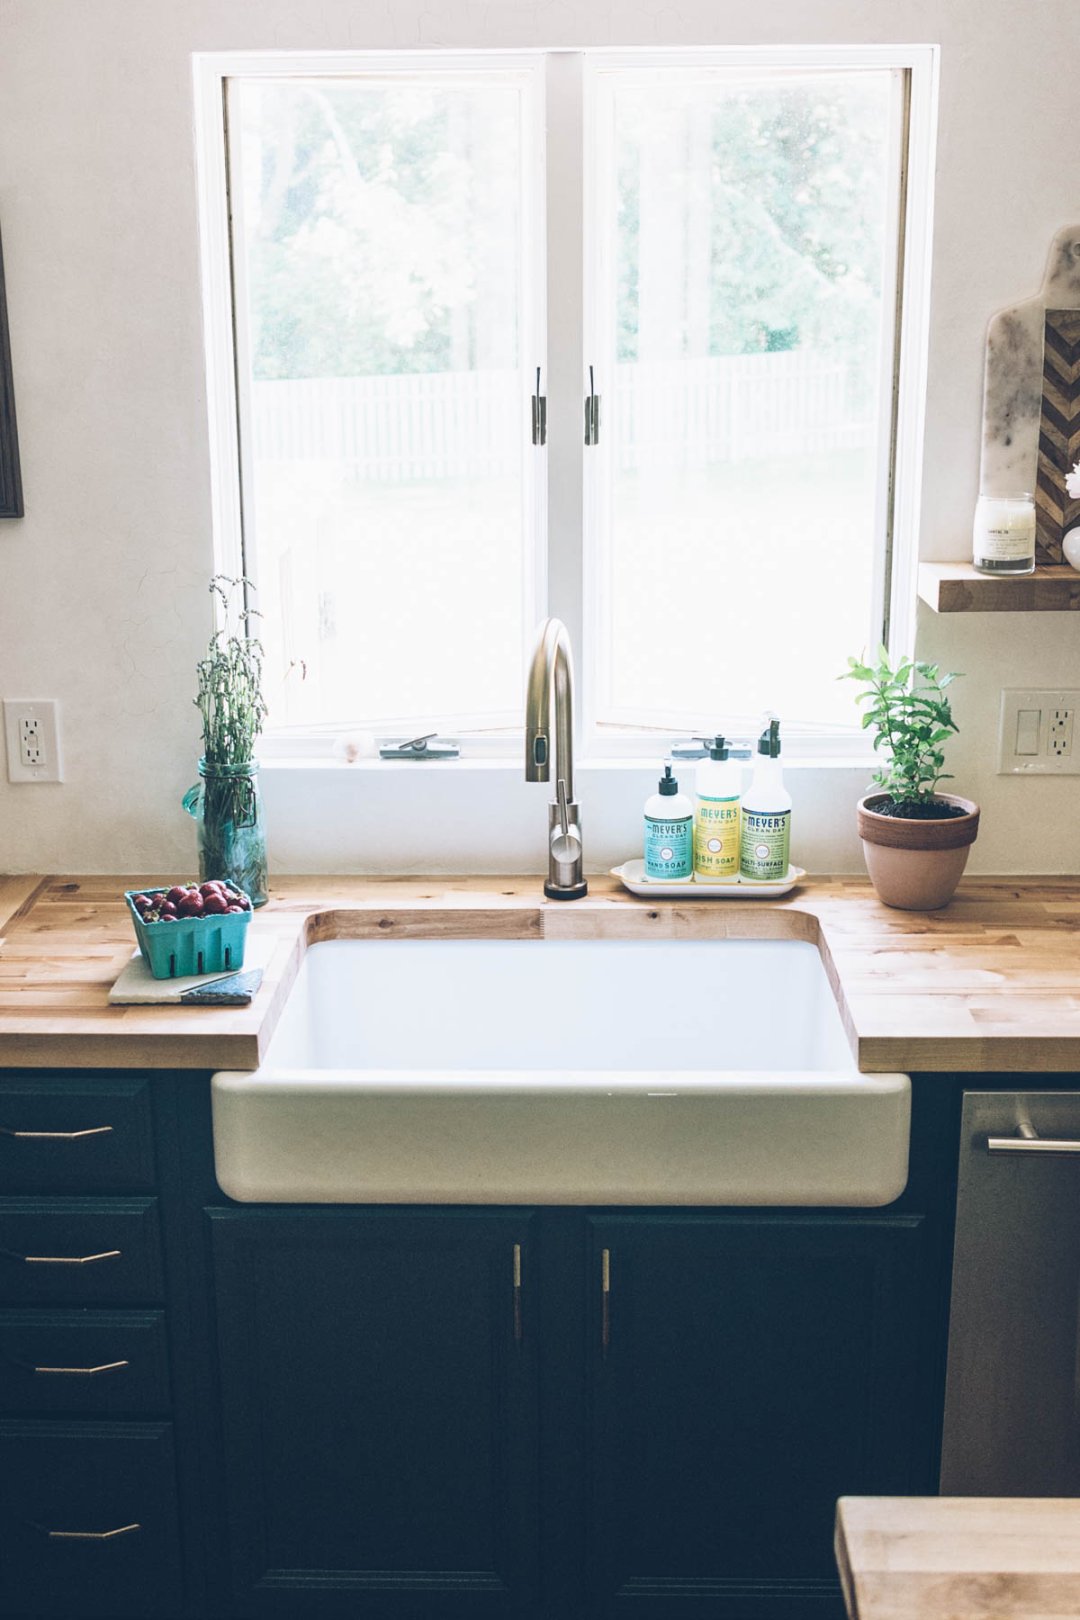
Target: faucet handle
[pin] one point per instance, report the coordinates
(560, 799)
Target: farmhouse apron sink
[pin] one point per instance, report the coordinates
(561, 1072)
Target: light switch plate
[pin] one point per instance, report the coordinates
(1036, 735)
(33, 740)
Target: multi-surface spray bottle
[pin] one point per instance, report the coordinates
(764, 844)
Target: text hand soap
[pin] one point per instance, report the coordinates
(765, 841)
(669, 833)
(716, 816)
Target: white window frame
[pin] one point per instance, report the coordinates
(563, 576)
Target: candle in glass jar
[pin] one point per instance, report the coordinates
(1004, 534)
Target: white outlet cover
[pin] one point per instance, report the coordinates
(1045, 762)
(45, 712)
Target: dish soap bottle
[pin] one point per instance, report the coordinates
(669, 833)
(765, 841)
(716, 817)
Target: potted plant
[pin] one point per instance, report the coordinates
(226, 802)
(915, 839)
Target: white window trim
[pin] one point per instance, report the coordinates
(560, 575)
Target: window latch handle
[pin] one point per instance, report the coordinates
(592, 413)
(539, 414)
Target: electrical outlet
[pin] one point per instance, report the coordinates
(33, 740)
(1036, 736)
(1060, 733)
(31, 752)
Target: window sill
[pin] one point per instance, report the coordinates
(507, 767)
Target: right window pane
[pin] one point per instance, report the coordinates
(746, 266)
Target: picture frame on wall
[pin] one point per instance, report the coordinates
(11, 496)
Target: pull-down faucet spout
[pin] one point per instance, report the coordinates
(552, 674)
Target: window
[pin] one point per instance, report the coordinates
(715, 242)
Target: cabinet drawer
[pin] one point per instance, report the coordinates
(79, 1251)
(86, 1363)
(88, 1521)
(76, 1135)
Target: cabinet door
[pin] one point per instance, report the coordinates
(745, 1372)
(379, 1406)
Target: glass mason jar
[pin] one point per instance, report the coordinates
(228, 810)
(1003, 540)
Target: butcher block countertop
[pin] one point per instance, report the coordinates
(959, 1557)
(990, 984)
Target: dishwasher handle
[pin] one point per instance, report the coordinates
(1030, 1144)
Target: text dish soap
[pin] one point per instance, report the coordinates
(716, 816)
(669, 833)
(765, 842)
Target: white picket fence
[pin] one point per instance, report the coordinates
(473, 423)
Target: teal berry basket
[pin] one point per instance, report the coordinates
(174, 950)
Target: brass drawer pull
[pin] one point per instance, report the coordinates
(88, 1535)
(54, 1136)
(605, 1301)
(62, 1259)
(83, 1372)
(519, 1326)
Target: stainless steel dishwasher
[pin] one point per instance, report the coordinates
(1012, 1397)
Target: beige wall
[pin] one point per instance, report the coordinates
(103, 600)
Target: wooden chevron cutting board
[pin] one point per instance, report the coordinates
(1031, 398)
(1059, 432)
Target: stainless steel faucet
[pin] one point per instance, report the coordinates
(552, 670)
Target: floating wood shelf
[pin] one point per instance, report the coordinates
(958, 588)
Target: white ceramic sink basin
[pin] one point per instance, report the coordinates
(552, 1071)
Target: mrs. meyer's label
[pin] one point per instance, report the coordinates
(716, 840)
(669, 848)
(763, 849)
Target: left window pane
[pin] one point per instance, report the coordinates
(385, 329)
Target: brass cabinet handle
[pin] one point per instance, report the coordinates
(54, 1136)
(82, 1372)
(87, 1535)
(605, 1301)
(519, 1325)
(62, 1259)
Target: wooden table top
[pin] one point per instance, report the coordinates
(959, 1557)
(989, 984)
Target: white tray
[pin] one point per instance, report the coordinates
(632, 876)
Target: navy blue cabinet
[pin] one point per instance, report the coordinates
(548, 1414)
(745, 1371)
(440, 1414)
(90, 1519)
(379, 1406)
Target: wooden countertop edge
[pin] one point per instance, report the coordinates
(116, 1052)
(843, 1566)
(44, 921)
(941, 1557)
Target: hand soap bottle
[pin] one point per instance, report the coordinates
(669, 833)
(766, 815)
(716, 817)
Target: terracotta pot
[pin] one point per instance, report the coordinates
(916, 865)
